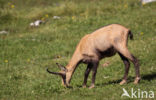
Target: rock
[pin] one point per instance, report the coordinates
(147, 1)
(56, 17)
(36, 23)
(3, 32)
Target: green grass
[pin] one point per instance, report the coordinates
(26, 52)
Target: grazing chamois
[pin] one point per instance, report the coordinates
(104, 42)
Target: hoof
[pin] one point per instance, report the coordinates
(84, 86)
(123, 82)
(92, 86)
(137, 80)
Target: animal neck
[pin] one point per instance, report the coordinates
(73, 63)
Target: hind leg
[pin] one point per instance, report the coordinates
(137, 71)
(127, 65)
(124, 51)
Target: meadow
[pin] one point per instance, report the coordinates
(26, 52)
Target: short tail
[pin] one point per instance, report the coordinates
(130, 35)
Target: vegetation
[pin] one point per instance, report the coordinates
(27, 51)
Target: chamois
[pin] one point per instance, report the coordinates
(104, 42)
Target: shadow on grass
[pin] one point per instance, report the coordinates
(147, 77)
(109, 83)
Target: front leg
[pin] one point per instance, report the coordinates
(95, 66)
(89, 67)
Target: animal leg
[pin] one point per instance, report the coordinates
(88, 69)
(94, 69)
(127, 65)
(124, 51)
(137, 71)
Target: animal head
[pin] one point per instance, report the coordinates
(62, 73)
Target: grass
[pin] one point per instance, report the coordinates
(26, 52)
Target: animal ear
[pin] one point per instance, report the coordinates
(61, 67)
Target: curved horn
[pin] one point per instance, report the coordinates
(61, 67)
(56, 73)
